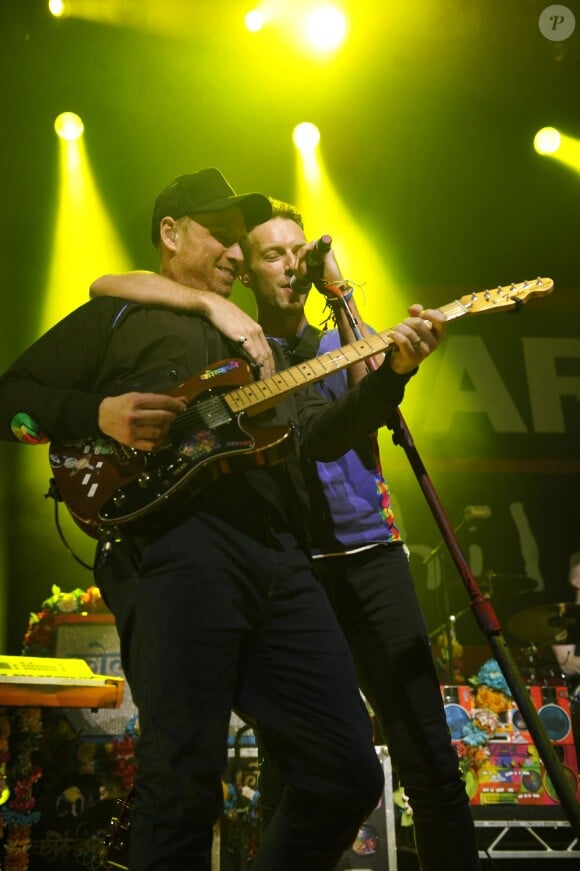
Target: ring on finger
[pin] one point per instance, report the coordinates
(242, 340)
(416, 343)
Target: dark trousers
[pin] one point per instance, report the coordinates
(211, 618)
(373, 596)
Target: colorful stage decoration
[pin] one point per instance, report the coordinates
(498, 759)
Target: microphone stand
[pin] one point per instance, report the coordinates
(482, 609)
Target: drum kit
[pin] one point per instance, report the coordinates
(547, 624)
(542, 627)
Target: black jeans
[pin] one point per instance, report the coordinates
(373, 596)
(213, 617)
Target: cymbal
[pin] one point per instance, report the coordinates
(547, 624)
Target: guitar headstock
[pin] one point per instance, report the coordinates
(509, 297)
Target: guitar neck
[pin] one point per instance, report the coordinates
(258, 396)
(261, 395)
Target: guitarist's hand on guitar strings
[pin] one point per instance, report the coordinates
(416, 337)
(139, 420)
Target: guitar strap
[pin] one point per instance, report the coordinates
(307, 346)
(122, 313)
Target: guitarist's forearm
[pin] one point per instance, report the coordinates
(328, 433)
(152, 289)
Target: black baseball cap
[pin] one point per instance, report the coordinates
(206, 191)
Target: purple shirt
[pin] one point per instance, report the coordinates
(351, 505)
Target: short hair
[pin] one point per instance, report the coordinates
(280, 209)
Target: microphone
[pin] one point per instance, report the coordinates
(476, 512)
(313, 260)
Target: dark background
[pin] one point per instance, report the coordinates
(427, 119)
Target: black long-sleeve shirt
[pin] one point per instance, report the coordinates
(107, 347)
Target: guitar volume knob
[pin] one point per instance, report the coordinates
(144, 480)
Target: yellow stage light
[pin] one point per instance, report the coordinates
(306, 136)
(254, 20)
(85, 245)
(56, 8)
(69, 126)
(326, 28)
(547, 140)
(324, 211)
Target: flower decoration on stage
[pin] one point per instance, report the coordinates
(490, 677)
(39, 637)
(491, 697)
(20, 736)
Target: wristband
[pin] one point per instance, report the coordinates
(337, 292)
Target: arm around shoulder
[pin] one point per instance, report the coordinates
(151, 288)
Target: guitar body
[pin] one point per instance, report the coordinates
(108, 487)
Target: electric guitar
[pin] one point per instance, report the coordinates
(110, 489)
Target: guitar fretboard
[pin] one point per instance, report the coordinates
(261, 395)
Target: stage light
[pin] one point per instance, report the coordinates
(326, 28)
(85, 242)
(324, 211)
(550, 142)
(306, 136)
(69, 126)
(56, 8)
(547, 140)
(254, 20)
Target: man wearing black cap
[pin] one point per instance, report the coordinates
(192, 194)
(214, 598)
